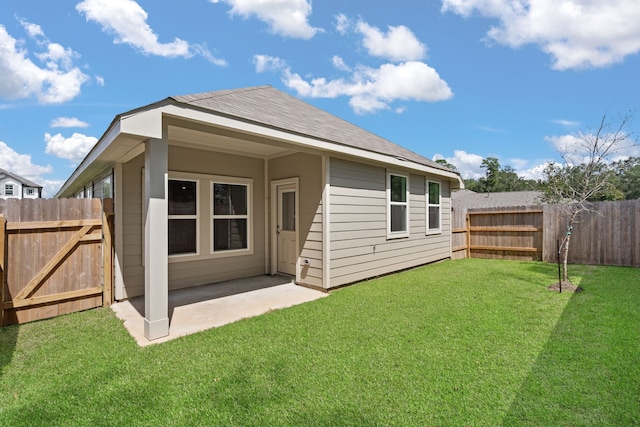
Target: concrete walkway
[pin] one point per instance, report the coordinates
(208, 306)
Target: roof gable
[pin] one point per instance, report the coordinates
(271, 107)
(25, 182)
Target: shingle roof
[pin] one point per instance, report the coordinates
(269, 106)
(20, 179)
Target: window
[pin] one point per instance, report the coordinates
(398, 205)
(30, 191)
(231, 215)
(433, 207)
(88, 192)
(183, 216)
(8, 189)
(106, 188)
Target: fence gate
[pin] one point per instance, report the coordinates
(504, 233)
(55, 257)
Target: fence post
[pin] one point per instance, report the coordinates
(468, 234)
(107, 252)
(3, 254)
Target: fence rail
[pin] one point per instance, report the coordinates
(56, 257)
(608, 236)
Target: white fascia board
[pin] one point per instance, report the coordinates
(146, 124)
(95, 152)
(308, 142)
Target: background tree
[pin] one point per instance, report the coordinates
(585, 174)
(627, 180)
(499, 179)
(444, 162)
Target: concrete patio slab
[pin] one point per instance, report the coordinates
(203, 307)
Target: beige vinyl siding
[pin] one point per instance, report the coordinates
(198, 272)
(132, 238)
(359, 245)
(192, 272)
(308, 168)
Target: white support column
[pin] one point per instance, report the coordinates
(326, 222)
(156, 271)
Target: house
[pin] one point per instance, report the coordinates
(13, 186)
(237, 183)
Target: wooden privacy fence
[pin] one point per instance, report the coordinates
(55, 257)
(609, 237)
(500, 233)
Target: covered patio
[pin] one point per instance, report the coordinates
(199, 308)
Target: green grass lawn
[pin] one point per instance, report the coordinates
(469, 342)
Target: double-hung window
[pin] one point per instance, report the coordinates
(230, 217)
(8, 189)
(433, 207)
(397, 205)
(183, 216)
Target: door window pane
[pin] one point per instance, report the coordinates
(289, 211)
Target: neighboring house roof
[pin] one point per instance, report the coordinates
(467, 199)
(258, 110)
(25, 182)
(272, 107)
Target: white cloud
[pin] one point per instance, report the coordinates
(74, 148)
(568, 123)
(576, 147)
(533, 172)
(576, 33)
(373, 89)
(339, 63)
(56, 81)
(398, 44)
(468, 164)
(68, 122)
(34, 30)
(127, 21)
(100, 80)
(21, 164)
(288, 18)
(342, 23)
(268, 63)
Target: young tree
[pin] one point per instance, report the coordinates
(585, 174)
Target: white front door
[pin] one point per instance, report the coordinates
(286, 232)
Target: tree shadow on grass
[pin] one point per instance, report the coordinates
(8, 339)
(589, 370)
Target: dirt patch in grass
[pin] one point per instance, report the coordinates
(566, 287)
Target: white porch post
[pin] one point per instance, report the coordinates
(156, 271)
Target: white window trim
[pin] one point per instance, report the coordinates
(428, 205)
(389, 203)
(180, 177)
(248, 183)
(12, 188)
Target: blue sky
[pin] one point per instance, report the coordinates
(454, 79)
